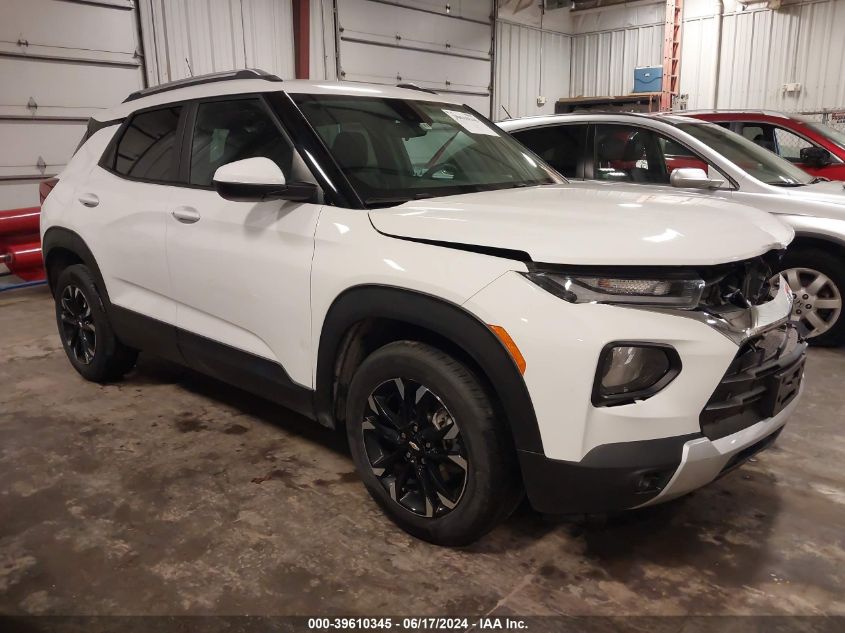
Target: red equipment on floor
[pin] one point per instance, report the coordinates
(20, 243)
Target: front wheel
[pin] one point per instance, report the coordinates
(428, 444)
(817, 282)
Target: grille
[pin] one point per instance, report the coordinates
(762, 379)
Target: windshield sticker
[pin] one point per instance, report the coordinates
(470, 123)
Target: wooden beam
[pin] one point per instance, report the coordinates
(301, 38)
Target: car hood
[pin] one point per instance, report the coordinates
(592, 224)
(829, 199)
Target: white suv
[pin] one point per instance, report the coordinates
(386, 260)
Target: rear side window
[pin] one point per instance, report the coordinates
(561, 146)
(148, 148)
(226, 131)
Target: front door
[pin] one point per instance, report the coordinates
(241, 270)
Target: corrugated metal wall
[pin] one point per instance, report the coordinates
(529, 63)
(609, 43)
(603, 63)
(761, 51)
(185, 37)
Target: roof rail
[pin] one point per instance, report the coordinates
(248, 73)
(410, 86)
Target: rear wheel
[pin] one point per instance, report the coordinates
(817, 282)
(87, 337)
(428, 444)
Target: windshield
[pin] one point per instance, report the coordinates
(394, 150)
(758, 162)
(830, 133)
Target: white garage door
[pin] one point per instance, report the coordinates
(59, 62)
(418, 41)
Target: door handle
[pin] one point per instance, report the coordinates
(186, 215)
(89, 199)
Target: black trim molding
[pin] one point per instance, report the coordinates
(610, 478)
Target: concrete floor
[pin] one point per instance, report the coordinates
(173, 494)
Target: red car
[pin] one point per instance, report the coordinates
(817, 148)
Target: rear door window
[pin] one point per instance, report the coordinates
(562, 146)
(148, 149)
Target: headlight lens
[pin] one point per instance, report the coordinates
(628, 372)
(683, 293)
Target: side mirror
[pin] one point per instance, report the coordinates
(259, 179)
(694, 178)
(815, 156)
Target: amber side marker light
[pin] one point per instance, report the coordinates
(502, 334)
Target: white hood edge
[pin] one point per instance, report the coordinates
(593, 224)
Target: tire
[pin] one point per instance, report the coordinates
(454, 414)
(800, 268)
(87, 336)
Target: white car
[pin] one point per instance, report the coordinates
(387, 261)
(688, 153)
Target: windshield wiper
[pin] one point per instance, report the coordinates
(788, 184)
(392, 201)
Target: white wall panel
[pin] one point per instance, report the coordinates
(603, 63)
(529, 63)
(761, 51)
(268, 36)
(54, 73)
(384, 43)
(185, 37)
(322, 60)
(24, 143)
(472, 9)
(73, 31)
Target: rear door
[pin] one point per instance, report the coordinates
(126, 201)
(241, 270)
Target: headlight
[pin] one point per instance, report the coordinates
(628, 372)
(680, 292)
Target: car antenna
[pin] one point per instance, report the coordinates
(190, 70)
(506, 111)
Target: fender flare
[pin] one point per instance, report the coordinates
(447, 320)
(834, 240)
(60, 237)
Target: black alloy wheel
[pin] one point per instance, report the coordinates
(428, 443)
(414, 447)
(88, 339)
(77, 325)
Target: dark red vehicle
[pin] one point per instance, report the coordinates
(817, 148)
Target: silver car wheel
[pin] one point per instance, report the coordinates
(817, 301)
